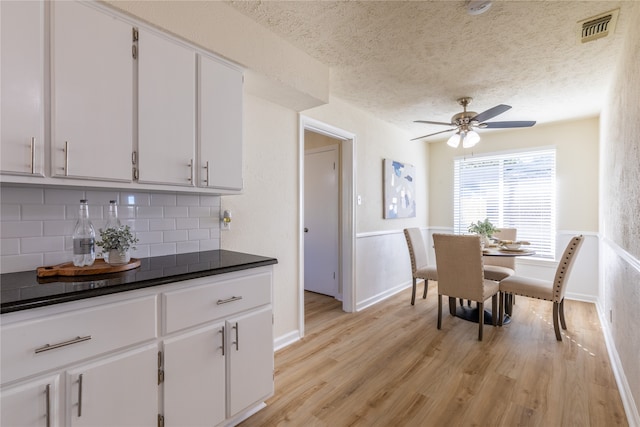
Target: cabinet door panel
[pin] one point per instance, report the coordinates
(220, 119)
(166, 110)
(31, 404)
(92, 93)
(117, 391)
(250, 346)
(22, 79)
(194, 366)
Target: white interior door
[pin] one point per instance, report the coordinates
(321, 212)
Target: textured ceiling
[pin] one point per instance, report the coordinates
(410, 60)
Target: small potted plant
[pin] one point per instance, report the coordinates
(116, 242)
(483, 228)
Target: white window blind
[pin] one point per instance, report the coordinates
(512, 190)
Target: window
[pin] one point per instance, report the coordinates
(512, 190)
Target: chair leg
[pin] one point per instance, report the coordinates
(480, 319)
(426, 285)
(556, 315)
(413, 292)
(439, 311)
(509, 308)
(452, 306)
(501, 309)
(494, 309)
(562, 321)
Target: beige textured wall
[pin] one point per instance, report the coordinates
(620, 212)
(377, 140)
(576, 145)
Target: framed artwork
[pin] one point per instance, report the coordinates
(399, 190)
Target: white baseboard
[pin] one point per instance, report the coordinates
(382, 296)
(285, 340)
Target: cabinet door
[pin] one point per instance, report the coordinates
(92, 93)
(34, 403)
(22, 79)
(220, 122)
(194, 378)
(166, 110)
(250, 359)
(116, 391)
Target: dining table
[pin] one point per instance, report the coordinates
(467, 312)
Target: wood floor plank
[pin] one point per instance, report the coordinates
(389, 365)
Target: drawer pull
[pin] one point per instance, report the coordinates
(48, 347)
(224, 301)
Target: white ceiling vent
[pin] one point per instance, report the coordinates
(597, 27)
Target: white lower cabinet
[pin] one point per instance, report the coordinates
(193, 353)
(31, 404)
(194, 378)
(121, 390)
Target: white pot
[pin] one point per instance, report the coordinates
(114, 257)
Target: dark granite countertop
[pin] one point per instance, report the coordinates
(24, 290)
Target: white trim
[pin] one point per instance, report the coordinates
(634, 262)
(382, 296)
(286, 340)
(347, 214)
(377, 233)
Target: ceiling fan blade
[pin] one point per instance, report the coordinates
(431, 134)
(491, 113)
(515, 124)
(432, 123)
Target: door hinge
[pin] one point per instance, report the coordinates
(134, 51)
(160, 369)
(134, 34)
(135, 174)
(160, 420)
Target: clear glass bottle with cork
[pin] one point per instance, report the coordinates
(84, 238)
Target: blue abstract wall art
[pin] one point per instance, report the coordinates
(399, 190)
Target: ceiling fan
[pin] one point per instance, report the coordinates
(464, 123)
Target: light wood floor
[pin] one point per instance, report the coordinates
(389, 365)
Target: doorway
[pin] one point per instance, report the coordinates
(344, 143)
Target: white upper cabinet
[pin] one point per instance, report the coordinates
(166, 110)
(91, 87)
(22, 79)
(220, 123)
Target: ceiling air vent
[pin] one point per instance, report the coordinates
(597, 27)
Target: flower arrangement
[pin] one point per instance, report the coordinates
(117, 238)
(484, 228)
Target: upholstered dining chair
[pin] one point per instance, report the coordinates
(461, 275)
(498, 268)
(544, 289)
(419, 266)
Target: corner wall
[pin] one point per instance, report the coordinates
(620, 221)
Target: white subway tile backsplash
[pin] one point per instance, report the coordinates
(21, 228)
(30, 245)
(188, 200)
(22, 195)
(175, 236)
(9, 246)
(9, 212)
(176, 212)
(149, 212)
(42, 212)
(37, 223)
(187, 223)
(161, 199)
(162, 224)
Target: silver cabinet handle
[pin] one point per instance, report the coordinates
(47, 393)
(33, 155)
(190, 179)
(66, 158)
(222, 332)
(224, 301)
(206, 166)
(48, 347)
(80, 395)
(237, 343)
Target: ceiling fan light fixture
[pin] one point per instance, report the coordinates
(471, 139)
(454, 140)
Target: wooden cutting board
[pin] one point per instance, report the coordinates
(98, 267)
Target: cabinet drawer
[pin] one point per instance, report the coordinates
(192, 306)
(45, 343)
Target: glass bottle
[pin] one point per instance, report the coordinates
(84, 238)
(112, 216)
